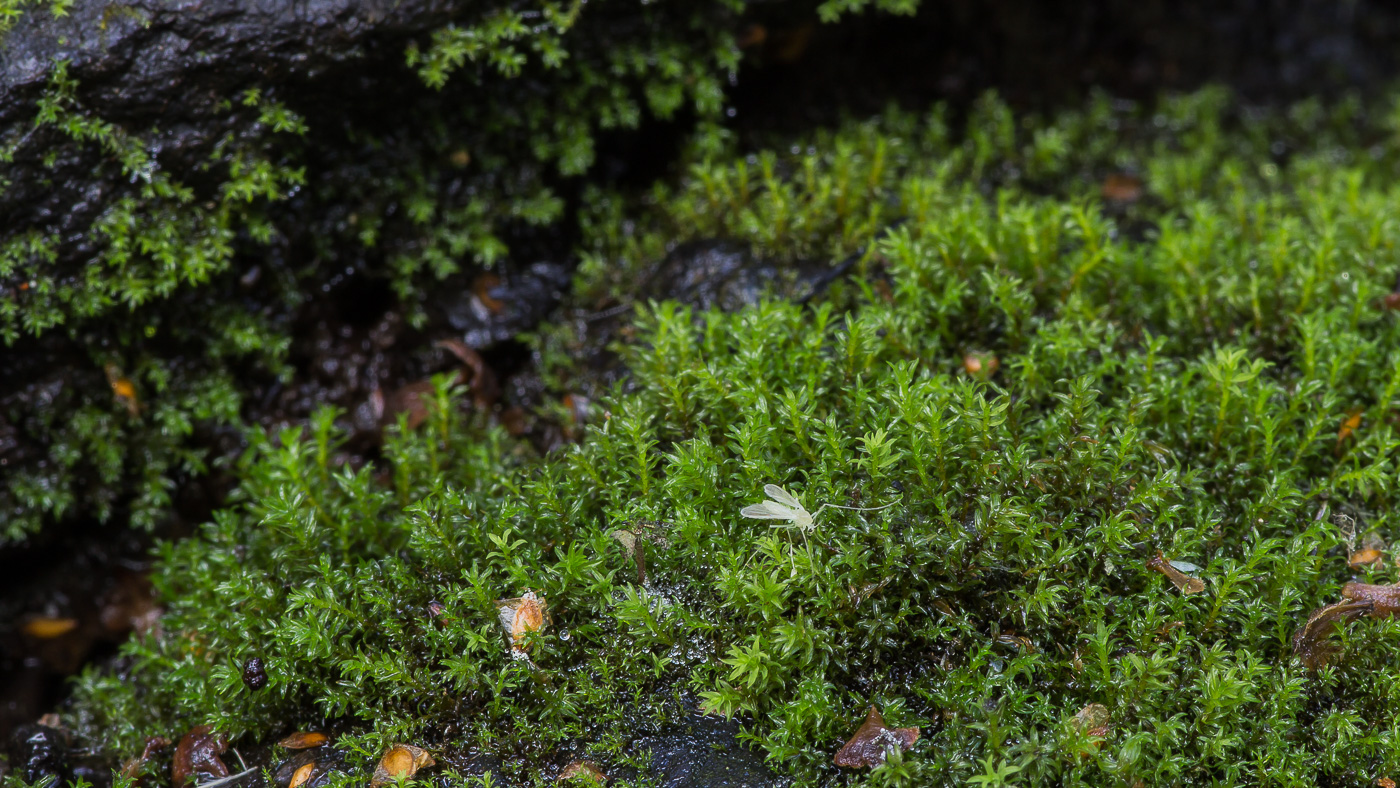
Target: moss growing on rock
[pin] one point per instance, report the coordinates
(1175, 374)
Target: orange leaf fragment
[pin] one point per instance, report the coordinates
(981, 365)
(582, 769)
(301, 775)
(303, 740)
(1361, 558)
(870, 745)
(1184, 583)
(1349, 426)
(401, 762)
(49, 628)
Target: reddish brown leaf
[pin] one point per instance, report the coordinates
(868, 748)
(197, 757)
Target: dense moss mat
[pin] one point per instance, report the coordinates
(1175, 369)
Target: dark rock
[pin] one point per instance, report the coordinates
(705, 752)
(517, 301)
(38, 751)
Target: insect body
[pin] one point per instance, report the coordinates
(784, 506)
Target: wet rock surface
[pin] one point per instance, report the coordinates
(705, 752)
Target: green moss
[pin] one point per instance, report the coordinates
(1173, 377)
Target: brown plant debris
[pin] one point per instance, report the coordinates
(1122, 187)
(869, 746)
(1312, 642)
(401, 762)
(197, 757)
(1384, 600)
(1184, 583)
(49, 628)
(132, 768)
(303, 740)
(521, 616)
(583, 769)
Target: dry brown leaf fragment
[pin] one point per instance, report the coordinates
(1184, 583)
(1384, 600)
(869, 747)
(1384, 782)
(49, 628)
(1094, 720)
(1312, 642)
(304, 740)
(521, 616)
(1122, 187)
(401, 762)
(197, 756)
(584, 769)
(132, 767)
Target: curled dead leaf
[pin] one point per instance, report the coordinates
(1312, 642)
(583, 769)
(521, 616)
(303, 740)
(1184, 583)
(197, 757)
(870, 745)
(49, 628)
(401, 762)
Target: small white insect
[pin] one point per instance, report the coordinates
(784, 506)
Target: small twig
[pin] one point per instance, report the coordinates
(229, 779)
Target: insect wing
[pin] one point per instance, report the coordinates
(769, 510)
(781, 496)
(505, 611)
